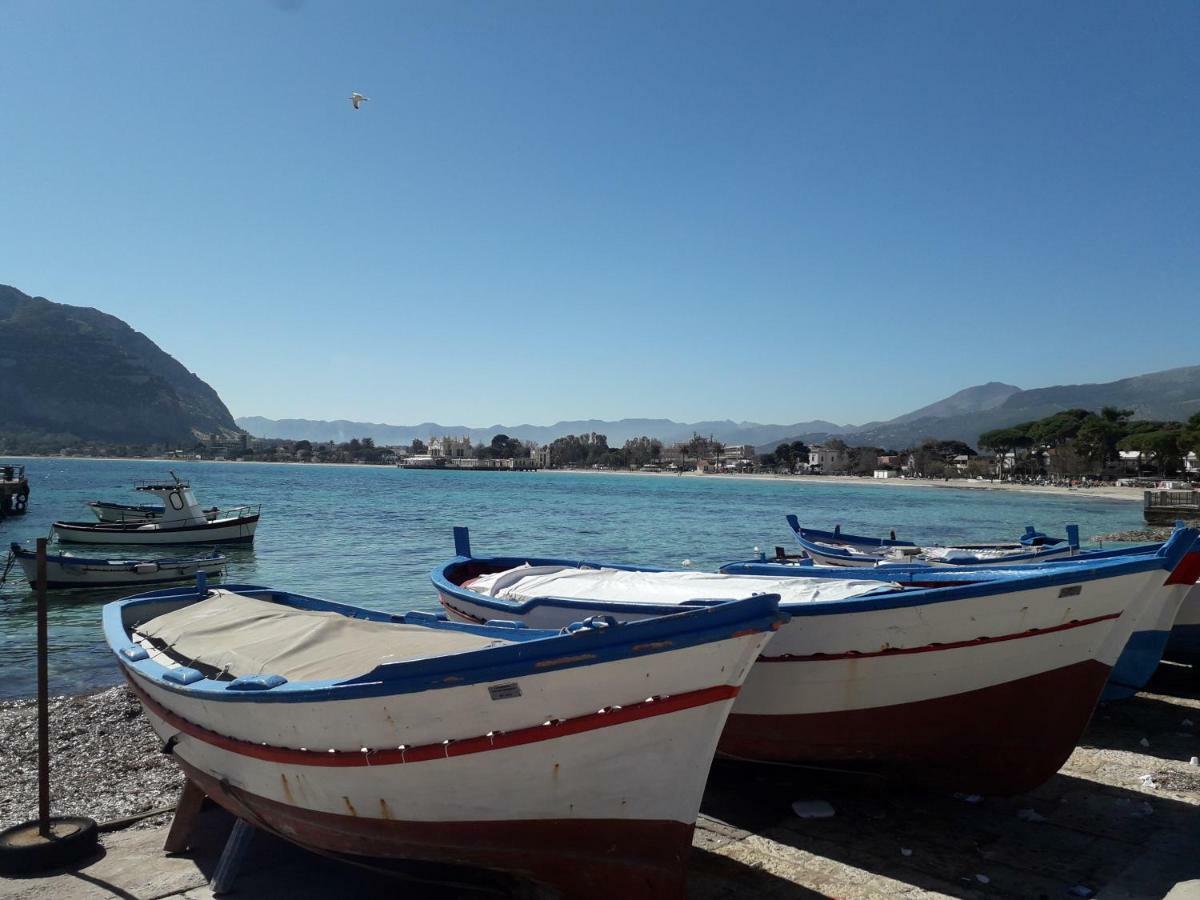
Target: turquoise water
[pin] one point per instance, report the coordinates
(370, 535)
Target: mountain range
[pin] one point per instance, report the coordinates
(964, 415)
(79, 374)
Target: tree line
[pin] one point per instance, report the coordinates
(1081, 442)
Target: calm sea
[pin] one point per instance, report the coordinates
(370, 535)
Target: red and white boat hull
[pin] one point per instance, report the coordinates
(577, 778)
(987, 693)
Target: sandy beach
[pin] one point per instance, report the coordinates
(1107, 492)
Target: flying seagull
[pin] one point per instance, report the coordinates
(357, 99)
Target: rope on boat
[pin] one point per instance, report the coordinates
(8, 564)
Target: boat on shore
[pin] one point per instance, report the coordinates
(575, 758)
(182, 522)
(981, 684)
(1163, 629)
(833, 548)
(65, 571)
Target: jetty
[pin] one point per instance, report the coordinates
(1166, 507)
(14, 490)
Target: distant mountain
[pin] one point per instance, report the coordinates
(76, 372)
(970, 400)
(617, 432)
(1173, 394)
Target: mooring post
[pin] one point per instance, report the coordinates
(43, 688)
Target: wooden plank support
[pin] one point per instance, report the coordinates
(232, 857)
(187, 810)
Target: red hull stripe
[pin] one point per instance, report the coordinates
(499, 740)
(929, 648)
(460, 613)
(1187, 571)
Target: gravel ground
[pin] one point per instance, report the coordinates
(1145, 535)
(104, 759)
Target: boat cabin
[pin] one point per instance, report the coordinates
(180, 506)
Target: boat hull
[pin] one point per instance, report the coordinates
(1003, 739)
(238, 531)
(116, 513)
(928, 689)
(561, 770)
(65, 576)
(1183, 643)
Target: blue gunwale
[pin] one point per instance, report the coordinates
(526, 651)
(986, 581)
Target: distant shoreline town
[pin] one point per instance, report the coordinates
(1070, 447)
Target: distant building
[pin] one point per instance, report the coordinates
(827, 460)
(452, 447)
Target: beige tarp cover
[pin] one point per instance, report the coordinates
(615, 585)
(245, 636)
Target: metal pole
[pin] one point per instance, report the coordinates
(43, 696)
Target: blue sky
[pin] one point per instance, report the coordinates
(549, 210)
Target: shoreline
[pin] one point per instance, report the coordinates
(1106, 492)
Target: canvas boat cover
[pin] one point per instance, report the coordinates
(242, 635)
(618, 585)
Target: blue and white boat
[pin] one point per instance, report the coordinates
(65, 571)
(573, 757)
(968, 679)
(1161, 628)
(833, 548)
(182, 522)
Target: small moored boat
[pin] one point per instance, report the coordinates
(575, 758)
(182, 522)
(65, 570)
(833, 548)
(980, 681)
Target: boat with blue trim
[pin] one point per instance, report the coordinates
(980, 681)
(183, 521)
(833, 548)
(1165, 628)
(65, 571)
(573, 757)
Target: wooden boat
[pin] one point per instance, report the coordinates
(182, 522)
(979, 681)
(833, 548)
(64, 570)
(575, 758)
(1154, 628)
(124, 512)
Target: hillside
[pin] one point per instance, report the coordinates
(76, 372)
(1173, 394)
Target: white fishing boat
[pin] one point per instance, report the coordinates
(104, 511)
(183, 521)
(980, 681)
(65, 570)
(574, 757)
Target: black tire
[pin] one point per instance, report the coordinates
(23, 851)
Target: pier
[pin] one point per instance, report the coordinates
(1168, 507)
(14, 490)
